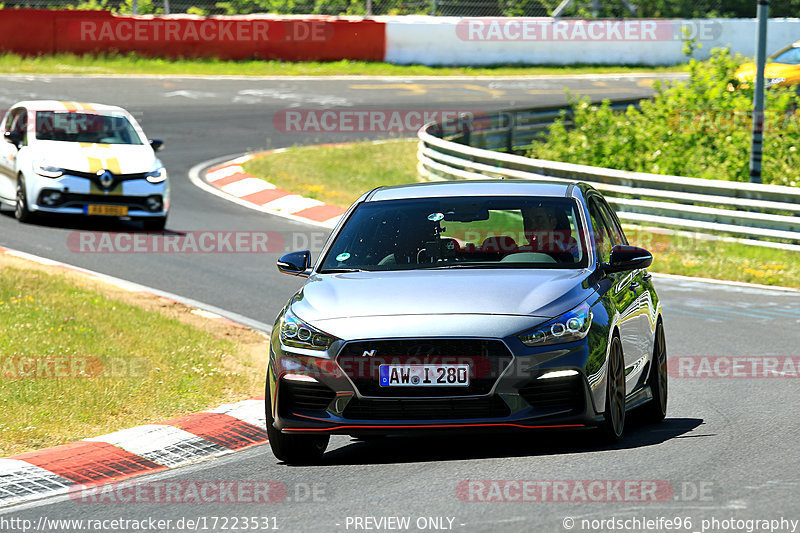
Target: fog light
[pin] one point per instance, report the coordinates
(154, 203)
(51, 198)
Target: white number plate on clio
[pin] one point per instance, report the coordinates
(424, 375)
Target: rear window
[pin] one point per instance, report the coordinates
(85, 128)
(474, 232)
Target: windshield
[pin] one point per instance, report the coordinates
(474, 232)
(85, 128)
(788, 56)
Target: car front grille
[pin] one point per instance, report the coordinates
(300, 395)
(70, 199)
(361, 361)
(555, 394)
(426, 409)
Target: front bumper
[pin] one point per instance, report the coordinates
(312, 394)
(141, 198)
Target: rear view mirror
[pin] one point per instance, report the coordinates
(156, 144)
(295, 263)
(14, 137)
(624, 258)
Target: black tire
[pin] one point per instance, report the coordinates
(154, 224)
(613, 425)
(293, 449)
(658, 380)
(21, 211)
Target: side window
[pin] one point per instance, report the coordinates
(612, 221)
(602, 235)
(18, 121)
(9, 120)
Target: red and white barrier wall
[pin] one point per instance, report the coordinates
(306, 38)
(402, 40)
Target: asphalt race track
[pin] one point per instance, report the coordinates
(728, 447)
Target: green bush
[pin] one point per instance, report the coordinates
(691, 128)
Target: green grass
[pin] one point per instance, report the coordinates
(339, 174)
(133, 64)
(75, 363)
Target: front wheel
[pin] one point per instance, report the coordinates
(293, 449)
(613, 424)
(656, 409)
(21, 211)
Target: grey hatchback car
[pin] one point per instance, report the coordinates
(472, 306)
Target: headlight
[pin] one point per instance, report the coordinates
(295, 332)
(774, 81)
(157, 176)
(571, 326)
(48, 171)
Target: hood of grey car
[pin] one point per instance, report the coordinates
(528, 293)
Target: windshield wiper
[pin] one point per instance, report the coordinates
(341, 270)
(459, 265)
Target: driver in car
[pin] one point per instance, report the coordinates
(548, 230)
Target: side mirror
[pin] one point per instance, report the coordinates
(14, 137)
(296, 263)
(625, 258)
(156, 144)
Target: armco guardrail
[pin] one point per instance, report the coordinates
(482, 147)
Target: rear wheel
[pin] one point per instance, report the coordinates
(293, 449)
(656, 409)
(21, 211)
(613, 424)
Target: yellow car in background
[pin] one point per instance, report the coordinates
(782, 70)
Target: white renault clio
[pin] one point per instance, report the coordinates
(77, 158)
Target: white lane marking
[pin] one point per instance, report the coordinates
(163, 444)
(21, 481)
(193, 95)
(236, 317)
(206, 314)
(255, 96)
(292, 203)
(731, 285)
(245, 186)
(251, 411)
(224, 173)
(358, 77)
(34, 258)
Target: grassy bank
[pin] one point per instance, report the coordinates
(79, 358)
(340, 174)
(133, 64)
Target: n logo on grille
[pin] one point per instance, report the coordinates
(368, 353)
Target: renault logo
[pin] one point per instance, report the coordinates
(106, 178)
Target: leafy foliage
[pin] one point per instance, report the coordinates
(691, 128)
